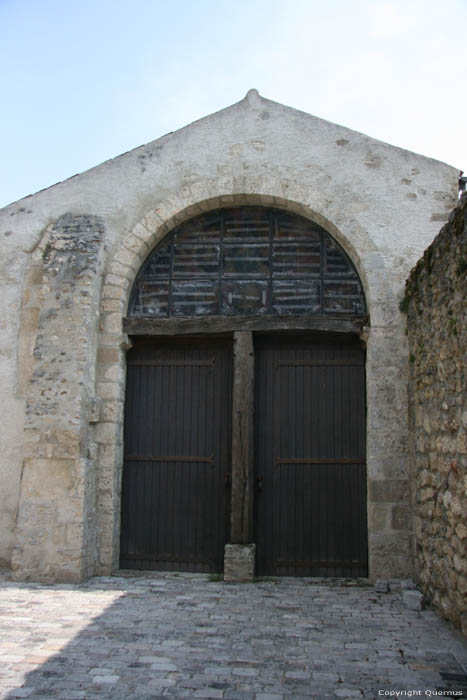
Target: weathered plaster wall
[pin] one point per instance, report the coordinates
(381, 203)
(436, 297)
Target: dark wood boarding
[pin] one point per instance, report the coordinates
(310, 424)
(247, 261)
(176, 475)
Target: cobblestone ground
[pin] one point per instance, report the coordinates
(184, 636)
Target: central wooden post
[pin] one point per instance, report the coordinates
(241, 521)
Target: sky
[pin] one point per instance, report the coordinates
(86, 80)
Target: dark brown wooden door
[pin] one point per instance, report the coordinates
(310, 457)
(175, 496)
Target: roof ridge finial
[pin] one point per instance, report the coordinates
(252, 96)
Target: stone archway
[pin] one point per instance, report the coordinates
(84, 538)
(389, 549)
(113, 450)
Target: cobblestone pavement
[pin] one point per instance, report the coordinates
(184, 636)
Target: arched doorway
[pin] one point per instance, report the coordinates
(245, 409)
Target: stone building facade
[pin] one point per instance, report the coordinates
(436, 302)
(70, 257)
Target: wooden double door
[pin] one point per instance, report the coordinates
(308, 480)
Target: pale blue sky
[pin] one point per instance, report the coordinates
(86, 80)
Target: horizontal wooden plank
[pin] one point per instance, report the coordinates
(166, 557)
(229, 324)
(318, 460)
(320, 363)
(316, 563)
(171, 363)
(154, 458)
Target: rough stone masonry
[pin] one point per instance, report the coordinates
(436, 300)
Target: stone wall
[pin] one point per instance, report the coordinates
(61, 471)
(436, 294)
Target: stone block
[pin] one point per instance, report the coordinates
(111, 322)
(33, 276)
(110, 390)
(389, 490)
(141, 232)
(111, 291)
(239, 562)
(153, 220)
(117, 280)
(110, 373)
(126, 258)
(381, 586)
(390, 555)
(378, 516)
(400, 517)
(136, 246)
(106, 433)
(111, 305)
(413, 600)
(112, 411)
(408, 585)
(48, 479)
(392, 467)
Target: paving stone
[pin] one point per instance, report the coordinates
(348, 693)
(320, 676)
(381, 586)
(298, 675)
(245, 671)
(128, 638)
(407, 584)
(413, 600)
(105, 679)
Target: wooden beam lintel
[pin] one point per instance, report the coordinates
(231, 324)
